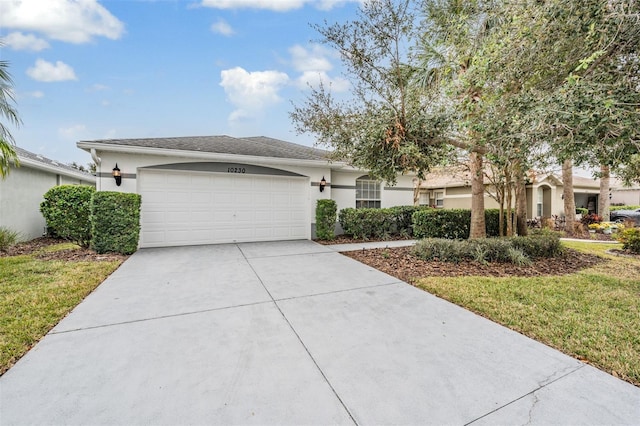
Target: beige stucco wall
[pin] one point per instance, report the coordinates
(21, 193)
(628, 197)
(131, 164)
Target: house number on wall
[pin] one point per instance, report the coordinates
(236, 170)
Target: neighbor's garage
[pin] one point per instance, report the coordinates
(188, 208)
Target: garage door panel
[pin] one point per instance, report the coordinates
(184, 208)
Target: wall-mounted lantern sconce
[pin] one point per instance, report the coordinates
(323, 183)
(116, 175)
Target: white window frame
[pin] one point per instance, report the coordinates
(368, 193)
(540, 201)
(438, 199)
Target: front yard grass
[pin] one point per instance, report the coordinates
(36, 294)
(593, 315)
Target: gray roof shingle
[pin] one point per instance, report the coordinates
(258, 146)
(24, 154)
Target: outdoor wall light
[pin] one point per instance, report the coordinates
(116, 175)
(323, 183)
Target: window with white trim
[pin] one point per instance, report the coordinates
(439, 198)
(540, 201)
(367, 193)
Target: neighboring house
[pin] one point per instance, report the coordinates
(22, 191)
(220, 189)
(622, 195)
(451, 188)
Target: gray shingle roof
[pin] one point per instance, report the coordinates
(24, 154)
(259, 146)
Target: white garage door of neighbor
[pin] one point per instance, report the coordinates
(188, 208)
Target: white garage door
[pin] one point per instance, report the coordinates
(187, 208)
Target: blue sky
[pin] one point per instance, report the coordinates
(88, 69)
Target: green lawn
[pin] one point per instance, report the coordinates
(36, 294)
(593, 315)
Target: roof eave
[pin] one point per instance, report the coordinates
(87, 146)
(24, 161)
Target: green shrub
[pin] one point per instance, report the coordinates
(442, 249)
(516, 250)
(492, 222)
(66, 210)
(8, 238)
(582, 211)
(367, 223)
(403, 218)
(630, 239)
(115, 222)
(452, 223)
(612, 208)
(442, 223)
(539, 246)
(326, 219)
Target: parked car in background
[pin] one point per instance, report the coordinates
(622, 215)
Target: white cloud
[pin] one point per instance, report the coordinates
(251, 92)
(222, 27)
(72, 132)
(275, 5)
(19, 41)
(36, 94)
(97, 88)
(48, 72)
(314, 65)
(74, 21)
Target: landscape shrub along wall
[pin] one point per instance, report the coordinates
(612, 208)
(66, 210)
(326, 211)
(452, 223)
(115, 222)
(378, 223)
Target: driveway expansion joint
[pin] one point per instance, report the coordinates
(322, 373)
(541, 385)
(340, 291)
(181, 314)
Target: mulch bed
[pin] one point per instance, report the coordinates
(400, 263)
(72, 255)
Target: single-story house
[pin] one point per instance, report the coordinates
(222, 189)
(622, 195)
(451, 188)
(22, 191)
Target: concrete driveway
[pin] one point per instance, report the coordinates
(292, 333)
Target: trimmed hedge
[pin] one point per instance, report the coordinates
(66, 210)
(452, 223)
(326, 214)
(378, 223)
(613, 208)
(115, 222)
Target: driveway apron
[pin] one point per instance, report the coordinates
(292, 333)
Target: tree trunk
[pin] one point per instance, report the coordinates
(604, 201)
(569, 200)
(478, 226)
(416, 192)
(521, 201)
(509, 197)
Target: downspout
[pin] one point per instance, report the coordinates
(98, 161)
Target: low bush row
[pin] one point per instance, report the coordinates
(104, 221)
(613, 208)
(516, 250)
(412, 221)
(379, 223)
